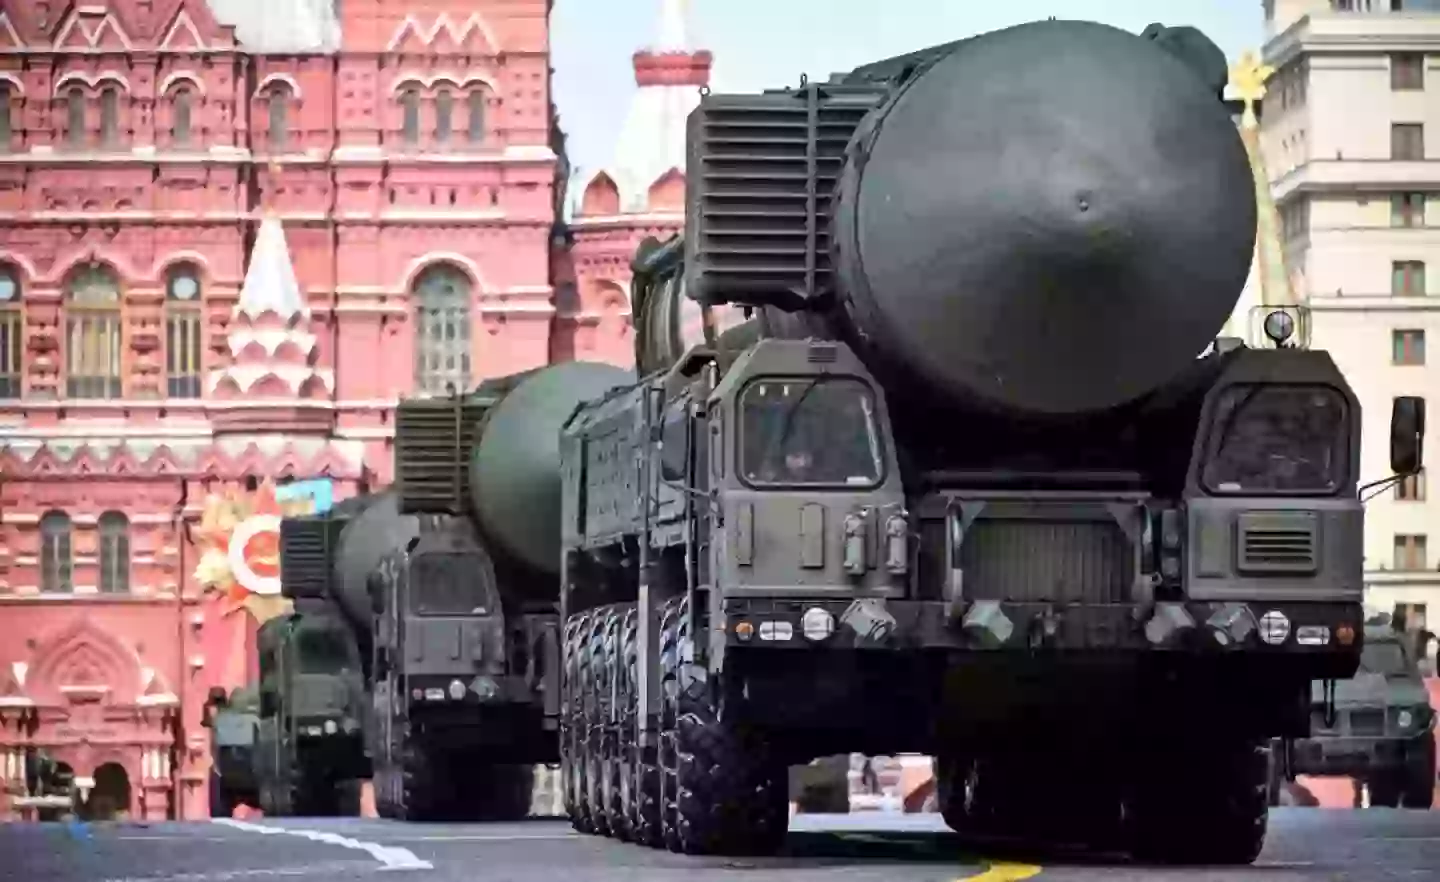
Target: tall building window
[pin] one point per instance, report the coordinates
(92, 334)
(1407, 278)
(1407, 142)
(75, 117)
(183, 332)
(279, 99)
(110, 116)
(1410, 551)
(444, 115)
(1411, 488)
(114, 553)
(56, 563)
(12, 333)
(410, 113)
(181, 108)
(442, 330)
(475, 125)
(6, 94)
(1407, 71)
(1407, 210)
(1407, 346)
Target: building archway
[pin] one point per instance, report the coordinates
(110, 797)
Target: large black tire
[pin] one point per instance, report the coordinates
(615, 774)
(1419, 788)
(723, 793)
(642, 801)
(597, 703)
(222, 805)
(572, 728)
(1207, 805)
(500, 793)
(1384, 790)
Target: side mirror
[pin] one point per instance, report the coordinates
(1407, 435)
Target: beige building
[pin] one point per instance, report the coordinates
(1351, 136)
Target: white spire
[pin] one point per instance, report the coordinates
(674, 33)
(270, 283)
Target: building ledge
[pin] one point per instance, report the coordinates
(1357, 175)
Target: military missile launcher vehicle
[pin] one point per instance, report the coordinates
(971, 476)
(232, 719)
(309, 754)
(1377, 728)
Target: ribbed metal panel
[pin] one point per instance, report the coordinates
(1041, 560)
(433, 437)
(1283, 542)
(306, 547)
(762, 173)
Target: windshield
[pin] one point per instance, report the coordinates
(1384, 657)
(324, 651)
(1278, 439)
(809, 432)
(447, 585)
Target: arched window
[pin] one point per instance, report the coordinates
(442, 330)
(109, 116)
(75, 116)
(180, 118)
(182, 331)
(6, 94)
(444, 116)
(476, 123)
(12, 333)
(114, 553)
(92, 334)
(279, 109)
(410, 110)
(56, 563)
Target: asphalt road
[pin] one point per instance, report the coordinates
(1305, 844)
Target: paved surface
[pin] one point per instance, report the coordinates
(1306, 845)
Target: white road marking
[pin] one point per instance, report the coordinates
(393, 857)
(489, 837)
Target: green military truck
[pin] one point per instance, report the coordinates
(309, 751)
(1377, 728)
(232, 719)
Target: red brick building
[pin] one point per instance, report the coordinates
(232, 234)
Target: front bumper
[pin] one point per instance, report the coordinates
(1354, 757)
(1326, 630)
(440, 691)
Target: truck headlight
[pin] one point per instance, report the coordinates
(457, 690)
(331, 728)
(1405, 719)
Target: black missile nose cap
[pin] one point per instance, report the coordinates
(1056, 217)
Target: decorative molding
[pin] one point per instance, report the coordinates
(182, 24)
(430, 80)
(162, 462)
(459, 33)
(187, 76)
(92, 80)
(274, 78)
(92, 38)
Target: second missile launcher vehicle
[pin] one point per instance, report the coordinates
(970, 477)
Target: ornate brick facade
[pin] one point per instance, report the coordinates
(406, 157)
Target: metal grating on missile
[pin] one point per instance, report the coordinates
(433, 438)
(306, 545)
(761, 177)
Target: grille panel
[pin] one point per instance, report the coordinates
(306, 545)
(433, 437)
(1367, 722)
(1035, 560)
(1278, 542)
(762, 174)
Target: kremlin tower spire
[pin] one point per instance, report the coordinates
(638, 193)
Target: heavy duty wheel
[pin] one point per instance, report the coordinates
(614, 765)
(1419, 786)
(1207, 805)
(572, 729)
(722, 792)
(597, 703)
(500, 793)
(643, 798)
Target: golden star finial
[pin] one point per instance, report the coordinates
(1248, 77)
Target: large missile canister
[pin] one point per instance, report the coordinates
(515, 469)
(1052, 219)
(372, 534)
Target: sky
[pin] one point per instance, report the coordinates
(760, 44)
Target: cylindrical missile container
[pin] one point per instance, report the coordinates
(1052, 219)
(515, 467)
(370, 535)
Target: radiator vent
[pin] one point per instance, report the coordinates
(1278, 542)
(307, 547)
(433, 438)
(1047, 560)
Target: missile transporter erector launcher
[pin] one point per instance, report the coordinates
(962, 483)
(448, 731)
